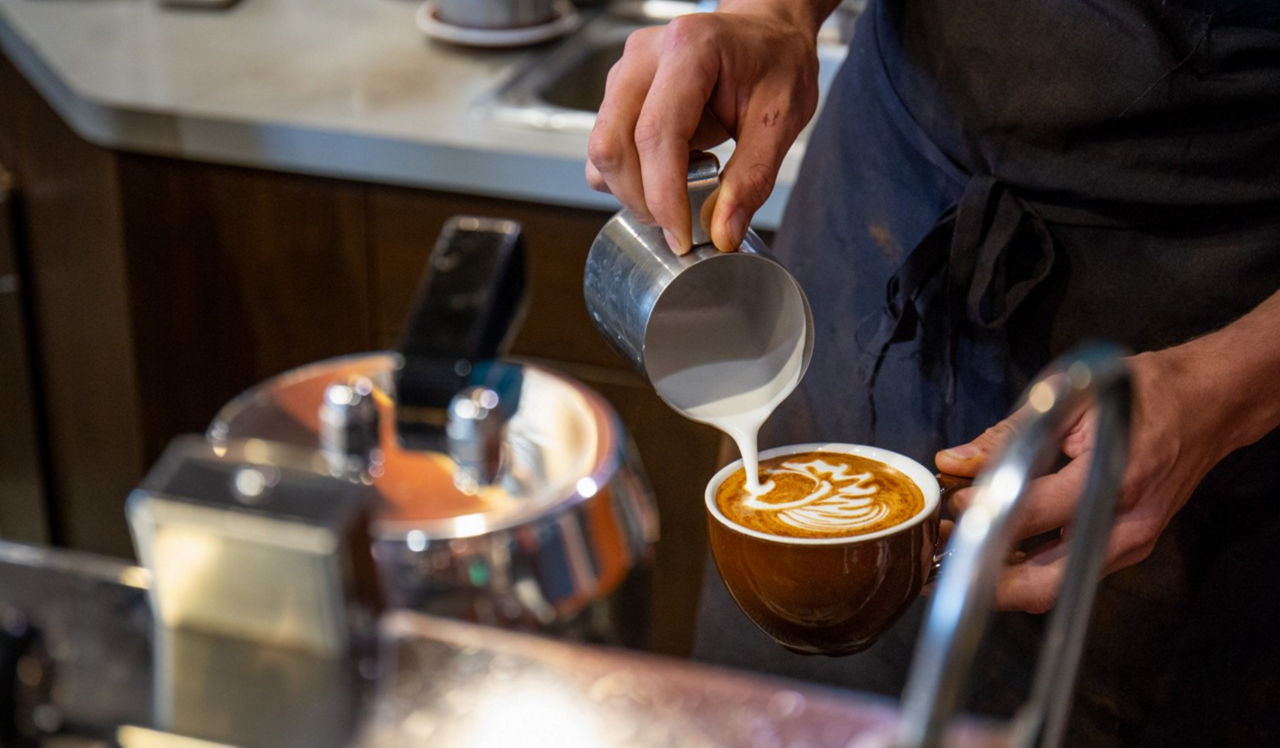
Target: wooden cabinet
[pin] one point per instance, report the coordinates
(77, 298)
(161, 288)
(23, 510)
(235, 275)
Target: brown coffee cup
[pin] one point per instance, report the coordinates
(827, 595)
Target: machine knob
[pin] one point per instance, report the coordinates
(349, 426)
(476, 429)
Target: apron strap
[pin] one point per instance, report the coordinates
(970, 247)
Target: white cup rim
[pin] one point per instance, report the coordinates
(919, 474)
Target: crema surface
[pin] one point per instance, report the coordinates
(821, 495)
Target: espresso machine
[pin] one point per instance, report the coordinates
(434, 546)
(495, 491)
(438, 478)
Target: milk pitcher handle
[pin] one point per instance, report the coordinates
(704, 180)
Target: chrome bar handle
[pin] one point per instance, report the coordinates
(961, 602)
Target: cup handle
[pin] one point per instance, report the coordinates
(947, 485)
(939, 559)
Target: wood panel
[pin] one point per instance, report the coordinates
(23, 512)
(403, 228)
(81, 318)
(236, 275)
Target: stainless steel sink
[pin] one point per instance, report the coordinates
(581, 87)
(562, 89)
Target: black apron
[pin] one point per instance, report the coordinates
(990, 183)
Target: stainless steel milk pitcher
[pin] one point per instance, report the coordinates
(670, 314)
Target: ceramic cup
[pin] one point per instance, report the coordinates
(831, 595)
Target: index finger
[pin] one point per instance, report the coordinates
(669, 119)
(613, 164)
(1048, 504)
(973, 457)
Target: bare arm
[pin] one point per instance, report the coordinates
(1193, 405)
(747, 72)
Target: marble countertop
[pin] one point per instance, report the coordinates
(341, 88)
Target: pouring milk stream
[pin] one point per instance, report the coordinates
(736, 395)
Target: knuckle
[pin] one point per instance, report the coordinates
(1042, 601)
(1130, 491)
(1031, 589)
(685, 30)
(596, 181)
(633, 43)
(999, 433)
(604, 152)
(1142, 552)
(664, 209)
(637, 41)
(756, 184)
(611, 77)
(1132, 544)
(649, 133)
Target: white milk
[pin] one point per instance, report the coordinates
(726, 343)
(738, 396)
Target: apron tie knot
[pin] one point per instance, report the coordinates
(975, 267)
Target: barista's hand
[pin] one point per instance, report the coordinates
(1181, 427)
(748, 72)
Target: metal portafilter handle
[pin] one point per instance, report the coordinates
(961, 601)
(450, 393)
(469, 303)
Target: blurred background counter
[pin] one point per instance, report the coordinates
(337, 88)
(195, 200)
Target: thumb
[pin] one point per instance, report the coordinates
(969, 458)
(746, 182)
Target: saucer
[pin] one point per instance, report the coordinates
(566, 19)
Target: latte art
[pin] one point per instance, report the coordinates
(821, 494)
(838, 500)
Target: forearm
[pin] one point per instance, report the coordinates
(806, 14)
(1237, 371)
